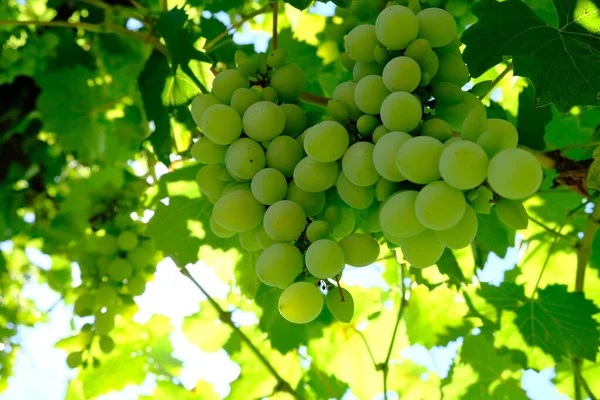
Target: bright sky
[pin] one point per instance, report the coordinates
(172, 295)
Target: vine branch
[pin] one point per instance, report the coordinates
(314, 99)
(496, 81)
(236, 25)
(225, 316)
(275, 6)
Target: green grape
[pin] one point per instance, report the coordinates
(361, 42)
(429, 68)
(463, 165)
(512, 213)
(119, 269)
(326, 142)
(238, 56)
(482, 88)
(343, 311)
(300, 303)
(446, 92)
(437, 129)
(218, 230)
(359, 249)
(451, 48)
(208, 181)
(289, 82)
(332, 215)
(362, 69)
(384, 189)
(455, 114)
(401, 111)
(379, 132)
(474, 125)
(127, 240)
(244, 158)
(452, 69)
(346, 225)
(277, 57)
(226, 82)
(381, 54)
(396, 27)
(451, 141)
(314, 176)
(269, 186)
(84, 305)
(344, 93)
(384, 155)
(263, 121)
(248, 66)
(207, 152)
(279, 264)
(368, 220)
(439, 206)
(419, 50)
(233, 186)
(107, 245)
(357, 197)
(462, 234)
(106, 296)
(437, 26)
(136, 285)
(221, 124)
(418, 159)
(358, 165)
(200, 104)
(347, 61)
(269, 94)
(337, 110)
(514, 174)
(398, 217)
(283, 154)
(317, 230)
(261, 60)
(74, 359)
(481, 199)
(500, 135)
(263, 239)
(284, 221)
(366, 124)
(401, 74)
(311, 202)
(422, 250)
(238, 211)
(106, 344)
(104, 323)
(324, 259)
(369, 93)
(249, 241)
(295, 119)
(457, 8)
(243, 98)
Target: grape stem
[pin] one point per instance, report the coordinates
(236, 25)
(314, 99)
(225, 317)
(496, 81)
(275, 6)
(337, 280)
(584, 250)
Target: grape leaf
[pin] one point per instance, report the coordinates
(507, 296)
(299, 4)
(342, 3)
(593, 176)
(319, 385)
(574, 129)
(564, 379)
(531, 121)
(205, 329)
(561, 323)
(493, 235)
(561, 62)
(166, 390)
(448, 265)
(431, 315)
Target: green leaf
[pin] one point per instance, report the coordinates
(531, 121)
(432, 315)
(593, 176)
(245, 273)
(561, 62)
(572, 130)
(205, 329)
(319, 385)
(218, 5)
(166, 390)
(179, 89)
(299, 4)
(595, 255)
(564, 379)
(342, 3)
(448, 265)
(560, 323)
(493, 235)
(507, 296)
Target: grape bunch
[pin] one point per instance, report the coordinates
(115, 263)
(385, 163)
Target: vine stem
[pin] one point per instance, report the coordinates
(403, 303)
(314, 99)
(236, 25)
(275, 6)
(225, 316)
(133, 13)
(496, 81)
(580, 146)
(584, 251)
(547, 228)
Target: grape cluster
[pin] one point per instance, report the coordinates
(119, 261)
(385, 163)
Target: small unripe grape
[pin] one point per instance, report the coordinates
(127, 240)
